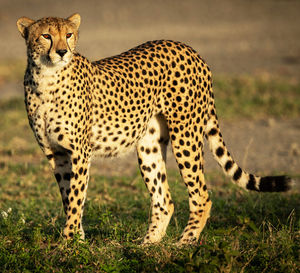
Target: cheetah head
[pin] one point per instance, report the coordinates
(50, 41)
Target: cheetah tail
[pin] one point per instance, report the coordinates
(232, 170)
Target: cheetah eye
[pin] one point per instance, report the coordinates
(47, 36)
(69, 35)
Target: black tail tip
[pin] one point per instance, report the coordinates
(275, 183)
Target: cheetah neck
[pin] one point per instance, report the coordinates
(43, 79)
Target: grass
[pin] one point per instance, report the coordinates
(247, 232)
(12, 70)
(257, 97)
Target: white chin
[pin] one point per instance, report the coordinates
(58, 64)
(61, 62)
(54, 62)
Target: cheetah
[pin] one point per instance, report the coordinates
(157, 92)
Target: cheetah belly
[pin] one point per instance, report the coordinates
(113, 141)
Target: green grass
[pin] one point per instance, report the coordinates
(247, 232)
(256, 97)
(12, 70)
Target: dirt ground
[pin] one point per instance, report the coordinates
(234, 37)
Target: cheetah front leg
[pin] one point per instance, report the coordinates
(71, 172)
(151, 151)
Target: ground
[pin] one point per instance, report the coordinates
(235, 38)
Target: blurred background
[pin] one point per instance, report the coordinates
(233, 36)
(252, 47)
(253, 50)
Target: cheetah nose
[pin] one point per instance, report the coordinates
(61, 52)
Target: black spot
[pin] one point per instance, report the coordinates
(60, 137)
(228, 165)
(194, 148)
(158, 175)
(152, 131)
(74, 211)
(238, 173)
(220, 151)
(58, 177)
(186, 153)
(178, 154)
(251, 183)
(212, 132)
(187, 164)
(67, 176)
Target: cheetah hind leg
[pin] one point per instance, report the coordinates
(151, 151)
(189, 157)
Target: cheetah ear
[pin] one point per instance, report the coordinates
(23, 23)
(75, 19)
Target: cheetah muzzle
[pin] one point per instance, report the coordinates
(157, 92)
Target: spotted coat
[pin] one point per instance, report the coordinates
(153, 94)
